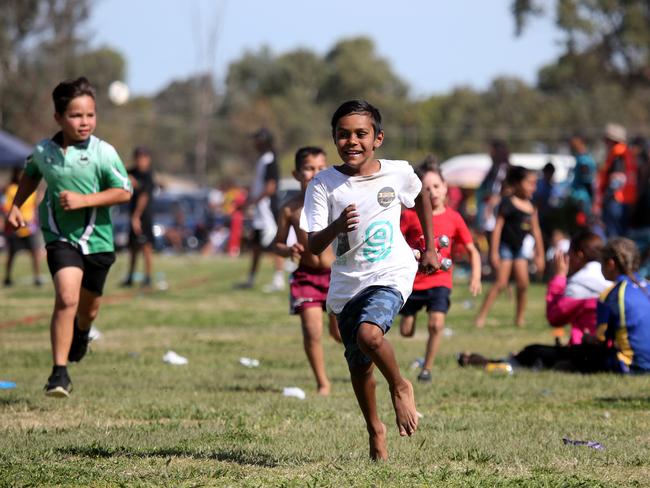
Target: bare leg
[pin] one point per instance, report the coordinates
(11, 254)
(520, 272)
(88, 309)
(312, 331)
(255, 261)
(36, 266)
(147, 253)
(503, 274)
(373, 344)
(67, 283)
(364, 384)
(407, 325)
(334, 328)
(436, 325)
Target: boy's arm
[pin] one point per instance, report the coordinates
(539, 244)
(26, 187)
(347, 222)
(495, 241)
(112, 196)
(475, 260)
(279, 245)
(429, 262)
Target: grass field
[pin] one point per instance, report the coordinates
(134, 421)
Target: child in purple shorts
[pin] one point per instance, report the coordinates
(309, 284)
(357, 205)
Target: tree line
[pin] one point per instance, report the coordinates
(197, 126)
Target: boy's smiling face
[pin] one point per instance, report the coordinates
(78, 121)
(311, 166)
(356, 141)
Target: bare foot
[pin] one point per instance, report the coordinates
(377, 441)
(406, 415)
(479, 322)
(324, 389)
(520, 323)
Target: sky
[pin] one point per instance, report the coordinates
(433, 45)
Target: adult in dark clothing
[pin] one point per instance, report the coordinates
(639, 230)
(141, 210)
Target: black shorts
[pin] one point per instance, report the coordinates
(145, 237)
(16, 243)
(436, 299)
(95, 266)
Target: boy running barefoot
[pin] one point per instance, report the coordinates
(357, 206)
(310, 282)
(84, 177)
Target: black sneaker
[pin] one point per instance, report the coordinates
(146, 283)
(79, 346)
(127, 283)
(424, 376)
(58, 385)
(7, 283)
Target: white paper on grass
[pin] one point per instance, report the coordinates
(294, 391)
(171, 357)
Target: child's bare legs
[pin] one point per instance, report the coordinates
(88, 309)
(312, 330)
(520, 272)
(407, 325)
(501, 283)
(364, 384)
(436, 325)
(67, 283)
(372, 343)
(334, 328)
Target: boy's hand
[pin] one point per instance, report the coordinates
(136, 225)
(70, 200)
(495, 261)
(475, 287)
(429, 262)
(540, 264)
(348, 220)
(560, 264)
(15, 218)
(296, 251)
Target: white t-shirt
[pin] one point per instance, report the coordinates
(263, 218)
(376, 253)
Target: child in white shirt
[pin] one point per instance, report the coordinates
(357, 206)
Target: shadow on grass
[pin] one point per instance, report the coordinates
(248, 388)
(623, 402)
(239, 456)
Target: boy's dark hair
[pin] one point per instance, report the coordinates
(429, 165)
(516, 174)
(357, 107)
(69, 89)
(626, 256)
(304, 152)
(589, 244)
(549, 168)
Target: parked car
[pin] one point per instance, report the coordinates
(179, 221)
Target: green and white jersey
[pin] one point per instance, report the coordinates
(88, 167)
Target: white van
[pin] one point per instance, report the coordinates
(468, 170)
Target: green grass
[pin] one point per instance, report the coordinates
(134, 421)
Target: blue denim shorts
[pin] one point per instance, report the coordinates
(509, 254)
(436, 299)
(377, 305)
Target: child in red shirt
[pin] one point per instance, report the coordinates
(434, 290)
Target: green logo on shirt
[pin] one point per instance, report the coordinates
(379, 241)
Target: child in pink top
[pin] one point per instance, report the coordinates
(577, 283)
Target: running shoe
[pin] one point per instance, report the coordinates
(79, 346)
(58, 385)
(424, 376)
